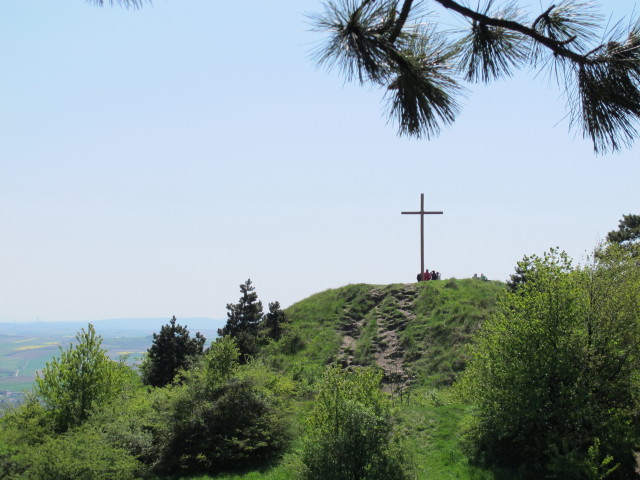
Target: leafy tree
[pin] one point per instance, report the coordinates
(420, 66)
(554, 376)
(628, 230)
(172, 350)
(243, 319)
(80, 381)
(225, 416)
(350, 430)
(222, 359)
(274, 321)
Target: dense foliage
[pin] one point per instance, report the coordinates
(628, 230)
(248, 326)
(226, 415)
(274, 321)
(549, 388)
(79, 455)
(555, 376)
(220, 416)
(350, 430)
(172, 350)
(243, 319)
(82, 380)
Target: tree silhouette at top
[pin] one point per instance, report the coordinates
(628, 230)
(395, 45)
(173, 349)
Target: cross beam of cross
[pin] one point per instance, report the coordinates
(422, 213)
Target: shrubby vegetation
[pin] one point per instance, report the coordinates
(537, 379)
(554, 376)
(218, 416)
(350, 430)
(82, 380)
(225, 414)
(80, 454)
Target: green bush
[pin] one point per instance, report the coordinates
(140, 425)
(81, 454)
(559, 367)
(81, 381)
(225, 416)
(21, 428)
(350, 430)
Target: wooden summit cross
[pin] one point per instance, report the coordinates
(422, 213)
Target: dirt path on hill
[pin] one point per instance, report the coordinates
(388, 353)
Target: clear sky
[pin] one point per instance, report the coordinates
(152, 160)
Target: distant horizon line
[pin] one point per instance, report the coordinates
(167, 319)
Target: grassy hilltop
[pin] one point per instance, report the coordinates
(417, 333)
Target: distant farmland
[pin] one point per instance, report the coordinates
(26, 349)
(21, 358)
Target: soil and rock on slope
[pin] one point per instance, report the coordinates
(416, 333)
(386, 350)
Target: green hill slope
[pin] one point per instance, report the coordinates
(417, 333)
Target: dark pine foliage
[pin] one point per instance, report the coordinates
(628, 230)
(523, 269)
(421, 62)
(226, 427)
(274, 321)
(173, 349)
(243, 319)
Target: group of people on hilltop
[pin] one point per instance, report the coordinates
(428, 275)
(433, 275)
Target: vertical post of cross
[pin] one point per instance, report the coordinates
(422, 213)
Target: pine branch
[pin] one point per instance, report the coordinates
(372, 42)
(402, 19)
(542, 16)
(557, 47)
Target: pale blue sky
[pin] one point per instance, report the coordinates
(153, 160)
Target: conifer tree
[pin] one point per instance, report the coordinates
(243, 319)
(274, 321)
(628, 230)
(173, 349)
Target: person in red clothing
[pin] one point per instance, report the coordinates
(424, 277)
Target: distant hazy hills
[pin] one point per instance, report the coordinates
(113, 327)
